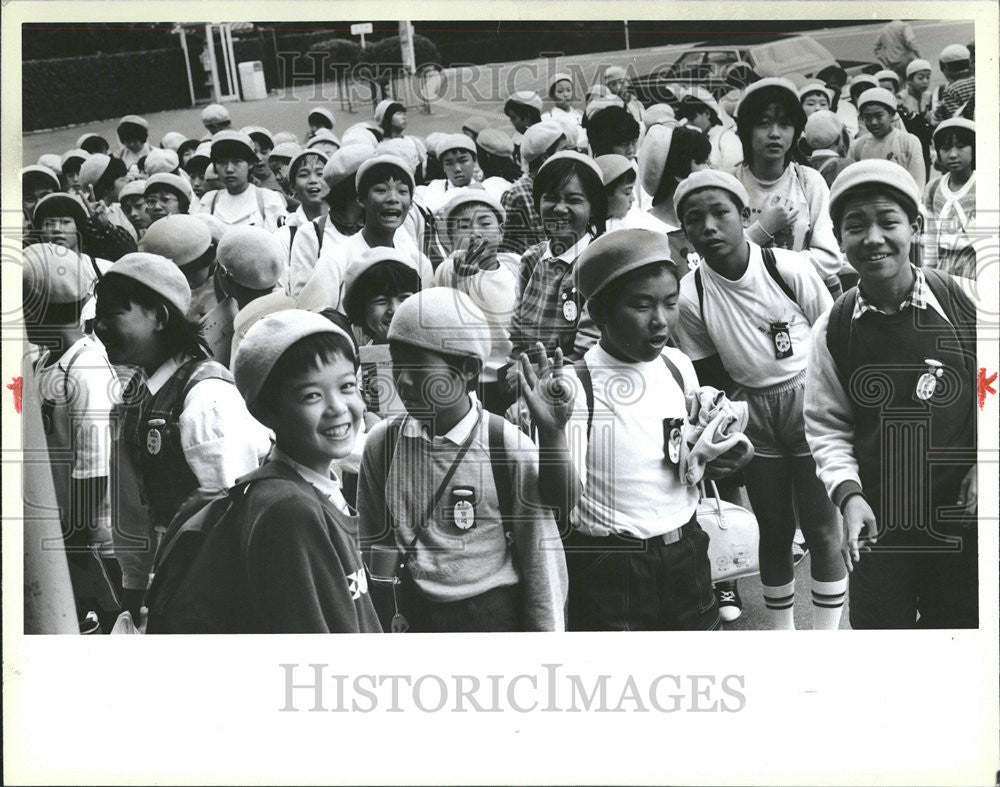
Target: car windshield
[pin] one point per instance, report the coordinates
(789, 56)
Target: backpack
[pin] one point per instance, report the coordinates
(318, 224)
(954, 303)
(770, 265)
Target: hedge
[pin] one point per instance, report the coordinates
(81, 89)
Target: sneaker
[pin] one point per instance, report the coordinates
(730, 603)
(90, 624)
(799, 548)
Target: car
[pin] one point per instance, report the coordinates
(710, 66)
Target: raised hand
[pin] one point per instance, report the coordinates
(547, 393)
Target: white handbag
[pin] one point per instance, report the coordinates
(734, 538)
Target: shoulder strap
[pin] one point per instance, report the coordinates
(206, 370)
(700, 287)
(678, 377)
(215, 198)
(958, 307)
(259, 194)
(838, 333)
(502, 473)
(69, 365)
(771, 264)
(292, 229)
(93, 264)
(320, 226)
(583, 375)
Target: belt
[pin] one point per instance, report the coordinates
(670, 537)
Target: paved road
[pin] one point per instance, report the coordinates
(485, 87)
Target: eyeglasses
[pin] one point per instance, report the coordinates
(163, 200)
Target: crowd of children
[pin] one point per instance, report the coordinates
(445, 385)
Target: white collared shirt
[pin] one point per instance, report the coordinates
(457, 435)
(328, 486)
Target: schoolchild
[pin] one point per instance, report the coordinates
(877, 108)
(344, 218)
(788, 202)
(318, 118)
(749, 310)
(186, 241)
(102, 178)
(914, 105)
(616, 81)
(239, 201)
(161, 160)
(133, 203)
(385, 187)
(814, 97)
(613, 130)
(950, 201)
(36, 182)
(827, 141)
(186, 150)
(278, 160)
(848, 110)
(196, 167)
(305, 171)
(324, 140)
(620, 176)
(496, 156)
(305, 574)
(76, 387)
(703, 112)
(70, 163)
(181, 424)
(375, 285)
(166, 195)
(63, 219)
(561, 95)
(888, 80)
(133, 133)
(957, 98)
(523, 109)
(454, 489)
(908, 495)
(459, 158)
(263, 144)
(215, 118)
(93, 143)
(390, 118)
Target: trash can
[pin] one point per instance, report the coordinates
(252, 81)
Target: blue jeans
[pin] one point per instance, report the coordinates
(619, 583)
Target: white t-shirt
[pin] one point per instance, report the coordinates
(80, 389)
(305, 252)
(628, 487)
(738, 316)
(243, 208)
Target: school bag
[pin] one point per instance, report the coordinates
(318, 224)
(770, 265)
(956, 305)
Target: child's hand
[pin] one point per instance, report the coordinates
(474, 255)
(860, 529)
(99, 212)
(548, 394)
(968, 492)
(778, 214)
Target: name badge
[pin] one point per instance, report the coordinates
(463, 510)
(927, 383)
(569, 307)
(781, 339)
(154, 438)
(672, 440)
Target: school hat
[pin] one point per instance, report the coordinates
(84, 138)
(872, 172)
(887, 73)
(266, 341)
(444, 321)
(613, 166)
(472, 196)
(601, 103)
(285, 150)
(55, 275)
(614, 72)
(527, 98)
(384, 158)
(180, 238)
(60, 203)
(214, 113)
(597, 90)
(954, 53)
(752, 93)
(815, 87)
(233, 142)
(968, 125)
(359, 134)
(44, 172)
(210, 173)
(862, 79)
(474, 123)
(402, 149)
(709, 179)
(257, 310)
(823, 129)
(258, 131)
(877, 95)
(133, 120)
(455, 142)
(285, 136)
(652, 156)
(157, 273)
(916, 66)
(614, 254)
(383, 107)
(558, 77)
(323, 135)
(324, 113)
(203, 151)
(251, 257)
(539, 138)
(51, 160)
(134, 188)
(369, 259)
(76, 155)
(174, 183)
(172, 140)
(94, 168)
(344, 163)
(571, 129)
(161, 160)
(216, 226)
(293, 165)
(658, 115)
(495, 142)
(572, 155)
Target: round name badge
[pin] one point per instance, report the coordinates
(154, 441)
(927, 383)
(569, 310)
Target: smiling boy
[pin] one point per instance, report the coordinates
(877, 109)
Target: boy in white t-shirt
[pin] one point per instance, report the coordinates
(746, 314)
(240, 202)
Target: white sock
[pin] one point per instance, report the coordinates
(828, 603)
(780, 603)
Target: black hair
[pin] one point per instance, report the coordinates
(39, 311)
(390, 112)
(752, 111)
(691, 106)
(388, 278)
(180, 333)
(72, 165)
(688, 146)
(555, 175)
(855, 90)
(130, 131)
(956, 136)
(308, 353)
(116, 169)
(532, 114)
(460, 364)
(320, 120)
(433, 169)
(871, 190)
(342, 321)
(261, 139)
(232, 149)
(604, 300)
(196, 167)
(342, 193)
(95, 144)
(33, 180)
(552, 87)
(185, 146)
(493, 165)
(380, 173)
(610, 127)
(732, 198)
(628, 175)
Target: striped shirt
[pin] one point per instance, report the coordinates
(523, 227)
(955, 96)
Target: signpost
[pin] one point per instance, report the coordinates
(363, 29)
(406, 43)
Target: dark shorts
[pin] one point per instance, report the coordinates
(499, 609)
(776, 426)
(618, 583)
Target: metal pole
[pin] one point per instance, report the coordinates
(209, 40)
(626, 34)
(187, 63)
